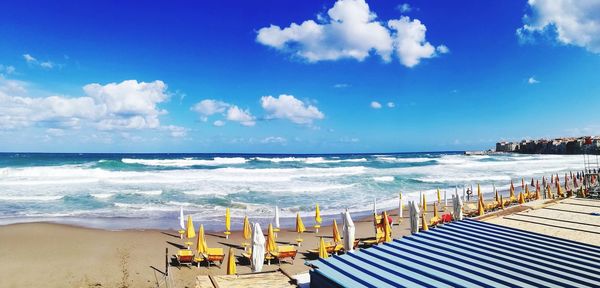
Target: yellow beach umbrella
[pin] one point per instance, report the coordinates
(318, 219)
(549, 192)
(527, 194)
(322, 249)
(522, 183)
(299, 224)
(247, 229)
(189, 229)
(424, 225)
(501, 202)
(512, 192)
(387, 230)
(558, 189)
(478, 190)
(538, 193)
(497, 197)
(336, 233)
(439, 196)
(521, 198)
(201, 246)
(480, 208)
(227, 223)
(270, 244)
(435, 211)
(424, 204)
(231, 269)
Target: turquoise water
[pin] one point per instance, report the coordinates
(116, 191)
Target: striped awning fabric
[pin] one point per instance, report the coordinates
(468, 253)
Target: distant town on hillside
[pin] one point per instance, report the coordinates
(564, 145)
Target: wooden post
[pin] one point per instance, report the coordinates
(166, 261)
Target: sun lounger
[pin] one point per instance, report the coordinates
(284, 252)
(330, 247)
(185, 257)
(212, 255)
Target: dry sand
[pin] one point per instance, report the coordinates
(55, 255)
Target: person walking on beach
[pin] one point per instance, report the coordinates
(469, 193)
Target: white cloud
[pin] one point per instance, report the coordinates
(532, 80)
(34, 61)
(409, 41)
(442, 49)
(47, 65)
(571, 22)
(209, 107)
(175, 131)
(404, 8)
(375, 105)
(391, 104)
(350, 30)
(29, 59)
(274, 140)
(242, 116)
(341, 85)
(7, 69)
(114, 106)
(288, 107)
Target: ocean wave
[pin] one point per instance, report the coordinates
(403, 160)
(186, 162)
(384, 178)
(30, 198)
(102, 195)
(309, 160)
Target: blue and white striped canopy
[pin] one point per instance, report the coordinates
(468, 253)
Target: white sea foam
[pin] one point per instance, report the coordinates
(384, 178)
(402, 160)
(186, 162)
(310, 160)
(30, 198)
(102, 195)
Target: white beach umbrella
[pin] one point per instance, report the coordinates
(414, 216)
(374, 205)
(400, 208)
(457, 204)
(276, 217)
(348, 230)
(258, 248)
(181, 220)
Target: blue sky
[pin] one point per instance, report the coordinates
(349, 76)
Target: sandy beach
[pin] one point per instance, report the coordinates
(68, 256)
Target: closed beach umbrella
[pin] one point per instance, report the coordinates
(322, 249)
(424, 204)
(439, 196)
(189, 230)
(387, 229)
(276, 217)
(258, 248)
(457, 204)
(538, 194)
(349, 231)
(231, 269)
(318, 219)
(497, 197)
(521, 198)
(181, 220)
(558, 189)
(480, 207)
(424, 225)
(400, 208)
(201, 246)
(549, 192)
(247, 229)
(271, 246)
(336, 233)
(522, 183)
(527, 192)
(299, 224)
(436, 215)
(478, 191)
(512, 192)
(501, 202)
(414, 216)
(227, 223)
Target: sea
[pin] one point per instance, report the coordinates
(147, 191)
